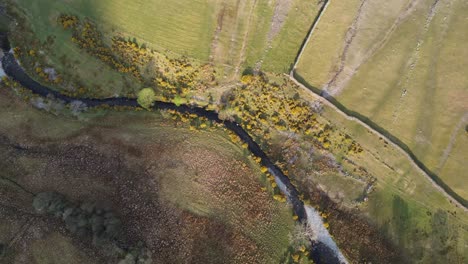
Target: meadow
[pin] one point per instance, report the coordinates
(323, 49)
(231, 35)
(403, 204)
(400, 68)
(189, 195)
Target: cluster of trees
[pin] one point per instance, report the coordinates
(268, 177)
(90, 39)
(277, 194)
(170, 77)
(195, 122)
(17, 52)
(262, 106)
(259, 102)
(68, 21)
(37, 61)
(33, 56)
(137, 255)
(130, 51)
(181, 77)
(87, 218)
(83, 219)
(20, 91)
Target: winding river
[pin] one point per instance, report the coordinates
(324, 249)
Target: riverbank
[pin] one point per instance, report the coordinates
(2, 72)
(14, 70)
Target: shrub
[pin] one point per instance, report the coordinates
(137, 255)
(301, 236)
(50, 203)
(82, 219)
(85, 219)
(146, 98)
(179, 100)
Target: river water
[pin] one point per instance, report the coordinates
(324, 248)
(320, 233)
(2, 72)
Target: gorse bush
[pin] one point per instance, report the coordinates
(263, 106)
(169, 77)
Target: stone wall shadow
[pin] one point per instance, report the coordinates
(386, 133)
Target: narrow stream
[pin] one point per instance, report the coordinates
(324, 249)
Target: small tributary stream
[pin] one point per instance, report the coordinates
(324, 249)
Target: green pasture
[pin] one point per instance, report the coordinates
(403, 71)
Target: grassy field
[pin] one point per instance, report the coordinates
(323, 51)
(404, 205)
(230, 34)
(359, 220)
(185, 27)
(189, 195)
(403, 71)
(77, 66)
(285, 45)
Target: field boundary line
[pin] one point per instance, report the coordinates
(434, 179)
(309, 35)
(370, 125)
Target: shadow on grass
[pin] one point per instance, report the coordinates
(387, 134)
